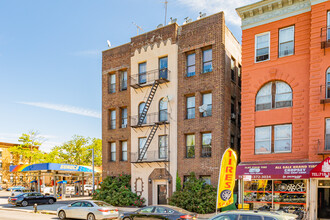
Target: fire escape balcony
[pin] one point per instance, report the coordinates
(150, 157)
(151, 119)
(148, 78)
(323, 146)
(325, 37)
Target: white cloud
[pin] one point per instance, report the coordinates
(65, 108)
(214, 6)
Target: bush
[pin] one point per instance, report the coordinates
(196, 196)
(117, 192)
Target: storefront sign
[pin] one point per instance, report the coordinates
(276, 171)
(322, 170)
(227, 179)
(247, 177)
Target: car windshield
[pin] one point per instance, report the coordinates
(102, 204)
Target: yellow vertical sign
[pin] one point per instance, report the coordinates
(227, 176)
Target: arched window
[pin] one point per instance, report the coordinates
(276, 94)
(141, 107)
(328, 84)
(163, 110)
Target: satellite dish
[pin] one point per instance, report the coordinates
(109, 44)
(202, 108)
(172, 20)
(187, 20)
(201, 15)
(160, 25)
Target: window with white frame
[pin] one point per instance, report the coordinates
(142, 73)
(162, 147)
(207, 61)
(206, 144)
(191, 68)
(328, 84)
(163, 110)
(112, 83)
(190, 146)
(124, 117)
(124, 150)
(112, 151)
(286, 41)
(207, 105)
(190, 107)
(142, 142)
(327, 134)
(280, 142)
(328, 29)
(112, 119)
(262, 46)
(123, 80)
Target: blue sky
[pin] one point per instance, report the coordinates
(50, 58)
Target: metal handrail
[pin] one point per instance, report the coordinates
(150, 156)
(325, 37)
(151, 119)
(148, 78)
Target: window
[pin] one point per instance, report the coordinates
(233, 110)
(232, 141)
(328, 84)
(86, 204)
(141, 107)
(275, 94)
(142, 142)
(124, 117)
(207, 105)
(232, 69)
(112, 151)
(112, 119)
(112, 85)
(124, 150)
(207, 61)
(162, 153)
(327, 134)
(207, 179)
(142, 73)
(123, 80)
(76, 204)
(206, 144)
(162, 110)
(262, 47)
(250, 217)
(146, 210)
(279, 143)
(190, 146)
(239, 72)
(328, 34)
(190, 107)
(286, 41)
(163, 68)
(191, 64)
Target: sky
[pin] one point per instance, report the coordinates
(51, 58)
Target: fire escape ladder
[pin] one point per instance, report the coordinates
(148, 103)
(148, 142)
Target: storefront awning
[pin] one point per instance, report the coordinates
(275, 171)
(322, 170)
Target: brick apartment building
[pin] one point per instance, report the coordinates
(285, 106)
(171, 100)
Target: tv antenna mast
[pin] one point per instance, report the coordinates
(165, 3)
(137, 28)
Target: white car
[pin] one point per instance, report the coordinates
(88, 209)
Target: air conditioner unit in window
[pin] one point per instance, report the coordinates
(124, 125)
(233, 116)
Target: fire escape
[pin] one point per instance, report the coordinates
(151, 78)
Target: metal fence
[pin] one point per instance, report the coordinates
(149, 77)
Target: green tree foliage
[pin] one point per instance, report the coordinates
(196, 196)
(117, 192)
(178, 182)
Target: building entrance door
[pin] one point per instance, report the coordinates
(162, 192)
(323, 203)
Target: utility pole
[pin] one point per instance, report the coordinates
(165, 2)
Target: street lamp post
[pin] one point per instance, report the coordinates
(93, 169)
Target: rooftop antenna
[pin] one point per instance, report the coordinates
(137, 28)
(165, 2)
(109, 44)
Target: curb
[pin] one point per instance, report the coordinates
(48, 212)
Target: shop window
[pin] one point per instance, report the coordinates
(112, 119)
(112, 151)
(163, 110)
(207, 61)
(112, 83)
(286, 41)
(206, 108)
(275, 94)
(262, 43)
(124, 151)
(142, 73)
(190, 107)
(162, 147)
(191, 68)
(124, 117)
(123, 80)
(190, 146)
(142, 142)
(327, 134)
(206, 145)
(265, 143)
(282, 194)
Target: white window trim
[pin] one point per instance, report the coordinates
(255, 47)
(294, 38)
(270, 140)
(276, 152)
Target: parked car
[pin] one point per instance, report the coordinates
(25, 199)
(88, 209)
(255, 215)
(158, 212)
(1, 187)
(16, 192)
(15, 187)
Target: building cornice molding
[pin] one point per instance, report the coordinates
(314, 2)
(268, 11)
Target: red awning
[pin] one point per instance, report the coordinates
(322, 170)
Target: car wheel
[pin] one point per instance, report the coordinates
(90, 216)
(51, 201)
(24, 203)
(62, 215)
(126, 218)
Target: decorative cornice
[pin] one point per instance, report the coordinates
(267, 11)
(314, 2)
